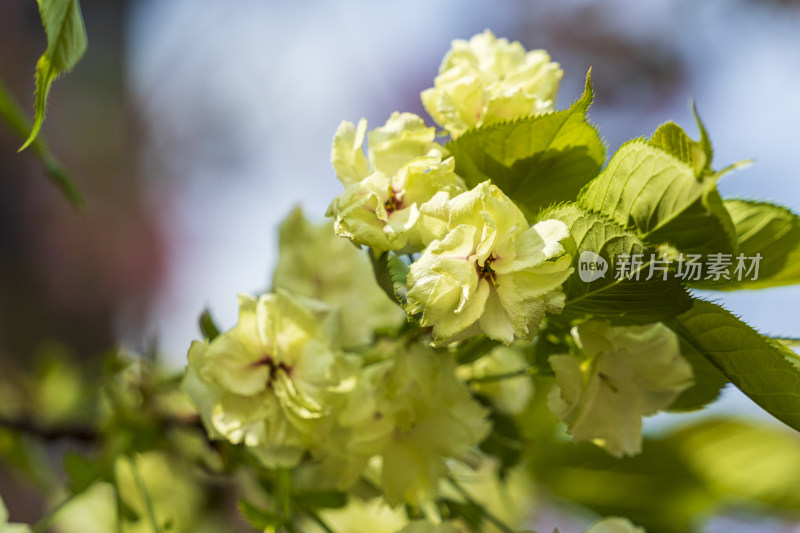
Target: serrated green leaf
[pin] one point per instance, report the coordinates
(655, 489)
(66, 44)
(697, 154)
(771, 231)
(766, 371)
(672, 139)
(18, 123)
(398, 273)
(647, 188)
(538, 160)
(788, 342)
(257, 517)
(383, 274)
(617, 299)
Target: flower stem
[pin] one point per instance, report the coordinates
(502, 526)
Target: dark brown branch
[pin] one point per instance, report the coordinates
(50, 433)
(83, 432)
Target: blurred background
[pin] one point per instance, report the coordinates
(194, 126)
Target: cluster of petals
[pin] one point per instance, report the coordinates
(393, 195)
(620, 375)
(492, 273)
(486, 80)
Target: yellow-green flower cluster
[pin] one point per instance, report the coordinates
(412, 413)
(393, 196)
(483, 267)
(321, 376)
(487, 80)
(270, 382)
(316, 263)
(491, 273)
(620, 375)
(277, 384)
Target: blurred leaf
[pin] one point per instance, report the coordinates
(66, 44)
(208, 327)
(655, 489)
(538, 160)
(257, 517)
(468, 512)
(504, 441)
(327, 499)
(474, 348)
(766, 371)
(742, 459)
(27, 456)
(549, 341)
(83, 472)
(18, 123)
(620, 300)
(126, 512)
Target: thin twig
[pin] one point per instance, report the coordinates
(148, 503)
(320, 522)
(502, 526)
(507, 375)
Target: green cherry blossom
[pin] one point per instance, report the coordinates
(492, 272)
(621, 375)
(411, 413)
(402, 139)
(487, 80)
(267, 382)
(395, 197)
(316, 263)
(513, 389)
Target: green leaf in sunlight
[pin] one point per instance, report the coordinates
(659, 195)
(622, 300)
(538, 160)
(766, 371)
